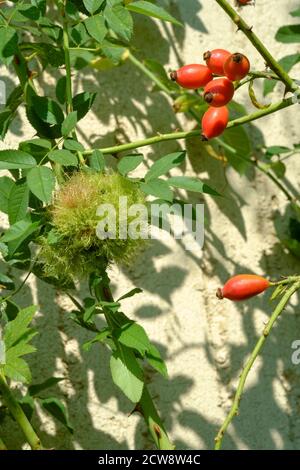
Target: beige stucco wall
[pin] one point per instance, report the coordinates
(205, 342)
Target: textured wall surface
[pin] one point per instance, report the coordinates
(205, 342)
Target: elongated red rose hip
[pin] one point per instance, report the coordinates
(214, 122)
(243, 287)
(192, 76)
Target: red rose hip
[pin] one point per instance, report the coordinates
(243, 287)
(236, 67)
(192, 76)
(216, 59)
(219, 92)
(214, 122)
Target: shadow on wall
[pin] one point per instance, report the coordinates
(260, 404)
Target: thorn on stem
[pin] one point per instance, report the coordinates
(157, 430)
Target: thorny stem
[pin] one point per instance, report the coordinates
(19, 415)
(188, 134)
(260, 343)
(259, 46)
(145, 406)
(66, 47)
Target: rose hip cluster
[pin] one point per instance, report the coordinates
(217, 76)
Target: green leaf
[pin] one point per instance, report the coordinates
(73, 145)
(19, 231)
(96, 160)
(47, 110)
(43, 129)
(113, 50)
(8, 44)
(96, 28)
(41, 182)
(119, 20)
(6, 185)
(276, 150)
(17, 370)
(82, 103)
(288, 34)
(157, 188)
(15, 159)
(165, 164)
(43, 143)
(127, 373)
(36, 389)
(64, 157)
(17, 329)
(99, 338)
(154, 358)
(191, 184)
(69, 123)
(279, 169)
(57, 409)
(129, 163)
(149, 9)
(133, 336)
(92, 5)
(131, 293)
(18, 201)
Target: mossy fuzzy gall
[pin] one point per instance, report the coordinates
(73, 248)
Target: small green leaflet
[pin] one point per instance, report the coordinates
(131, 293)
(63, 157)
(73, 145)
(17, 336)
(41, 182)
(92, 5)
(191, 184)
(8, 44)
(82, 103)
(47, 110)
(19, 230)
(149, 9)
(96, 28)
(158, 188)
(96, 160)
(6, 185)
(165, 164)
(127, 373)
(129, 163)
(288, 34)
(15, 159)
(119, 20)
(133, 336)
(154, 358)
(18, 201)
(101, 336)
(69, 123)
